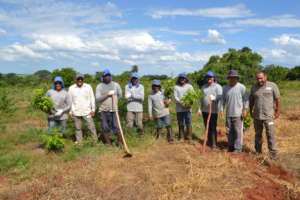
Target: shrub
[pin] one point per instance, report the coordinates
(6, 103)
(247, 122)
(42, 102)
(190, 98)
(54, 142)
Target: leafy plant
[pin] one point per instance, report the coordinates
(42, 102)
(54, 142)
(247, 122)
(190, 98)
(169, 88)
(6, 103)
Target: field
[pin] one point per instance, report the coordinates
(157, 170)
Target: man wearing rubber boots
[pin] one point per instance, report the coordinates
(104, 94)
(265, 108)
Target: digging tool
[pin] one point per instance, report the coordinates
(207, 127)
(127, 152)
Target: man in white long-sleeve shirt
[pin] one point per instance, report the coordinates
(82, 107)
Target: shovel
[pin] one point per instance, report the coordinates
(127, 152)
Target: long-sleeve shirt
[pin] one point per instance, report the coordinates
(82, 100)
(235, 99)
(179, 93)
(156, 104)
(102, 90)
(61, 101)
(135, 101)
(217, 91)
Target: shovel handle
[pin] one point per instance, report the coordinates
(206, 128)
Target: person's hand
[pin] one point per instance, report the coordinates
(244, 114)
(150, 117)
(71, 115)
(199, 113)
(221, 115)
(212, 97)
(167, 101)
(111, 93)
(128, 95)
(277, 114)
(58, 113)
(92, 113)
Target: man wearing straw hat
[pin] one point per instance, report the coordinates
(235, 99)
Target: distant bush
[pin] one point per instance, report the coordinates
(276, 73)
(6, 103)
(68, 75)
(294, 73)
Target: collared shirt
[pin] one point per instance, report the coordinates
(135, 101)
(102, 90)
(61, 101)
(235, 98)
(82, 99)
(216, 90)
(262, 100)
(156, 104)
(179, 93)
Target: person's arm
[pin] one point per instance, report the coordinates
(139, 94)
(119, 91)
(67, 102)
(251, 101)
(99, 96)
(276, 96)
(176, 95)
(150, 107)
(71, 102)
(127, 93)
(92, 99)
(219, 98)
(245, 101)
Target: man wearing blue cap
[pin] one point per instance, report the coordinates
(134, 93)
(184, 115)
(212, 95)
(61, 102)
(158, 103)
(235, 99)
(104, 94)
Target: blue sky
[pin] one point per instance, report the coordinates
(161, 37)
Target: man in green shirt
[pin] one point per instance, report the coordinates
(265, 108)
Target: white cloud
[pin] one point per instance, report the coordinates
(220, 12)
(214, 37)
(286, 21)
(27, 51)
(109, 57)
(95, 64)
(2, 31)
(185, 32)
(287, 51)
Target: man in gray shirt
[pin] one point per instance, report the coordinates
(134, 93)
(104, 94)
(184, 115)
(62, 104)
(235, 99)
(160, 105)
(265, 108)
(212, 95)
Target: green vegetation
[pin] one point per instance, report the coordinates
(42, 102)
(54, 142)
(191, 98)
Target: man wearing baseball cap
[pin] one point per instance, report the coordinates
(235, 100)
(82, 107)
(134, 93)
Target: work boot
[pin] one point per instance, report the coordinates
(107, 140)
(141, 132)
(189, 133)
(158, 130)
(169, 135)
(181, 133)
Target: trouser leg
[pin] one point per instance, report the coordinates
(91, 126)
(270, 131)
(130, 119)
(230, 134)
(63, 124)
(139, 122)
(78, 126)
(188, 123)
(238, 129)
(105, 127)
(213, 130)
(114, 123)
(258, 126)
(180, 125)
(51, 124)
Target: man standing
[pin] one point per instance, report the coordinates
(106, 92)
(264, 108)
(82, 107)
(235, 99)
(212, 95)
(158, 103)
(62, 104)
(134, 93)
(184, 115)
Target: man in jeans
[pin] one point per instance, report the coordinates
(61, 103)
(105, 92)
(235, 99)
(184, 115)
(158, 103)
(265, 108)
(134, 93)
(82, 107)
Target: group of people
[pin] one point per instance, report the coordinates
(80, 103)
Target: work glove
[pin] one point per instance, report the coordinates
(111, 92)
(128, 95)
(212, 97)
(59, 112)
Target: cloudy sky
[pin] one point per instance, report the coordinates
(161, 37)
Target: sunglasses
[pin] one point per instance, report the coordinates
(80, 79)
